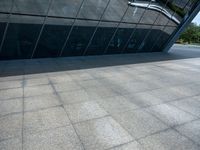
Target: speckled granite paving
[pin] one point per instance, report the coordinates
(100, 103)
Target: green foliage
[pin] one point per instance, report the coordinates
(191, 34)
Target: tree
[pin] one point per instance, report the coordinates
(191, 34)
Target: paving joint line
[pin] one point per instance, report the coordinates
(23, 108)
(174, 127)
(59, 98)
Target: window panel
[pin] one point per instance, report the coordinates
(5, 5)
(2, 29)
(115, 10)
(163, 20)
(101, 38)
(149, 17)
(162, 39)
(176, 11)
(79, 38)
(38, 7)
(140, 19)
(184, 6)
(137, 38)
(152, 34)
(133, 14)
(65, 8)
(93, 9)
(21, 37)
(148, 10)
(120, 39)
(52, 38)
(3, 22)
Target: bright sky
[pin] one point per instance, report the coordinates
(197, 19)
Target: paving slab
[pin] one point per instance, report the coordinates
(84, 111)
(11, 106)
(139, 123)
(102, 134)
(171, 115)
(41, 102)
(191, 130)
(63, 138)
(41, 120)
(168, 140)
(11, 126)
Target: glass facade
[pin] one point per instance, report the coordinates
(53, 28)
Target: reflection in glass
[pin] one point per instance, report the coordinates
(167, 31)
(71, 27)
(79, 38)
(5, 5)
(101, 38)
(152, 10)
(21, 37)
(152, 34)
(38, 7)
(3, 23)
(92, 9)
(134, 43)
(115, 10)
(150, 16)
(120, 39)
(52, 38)
(2, 29)
(65, 8)
(133, 14)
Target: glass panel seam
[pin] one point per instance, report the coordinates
(7, 25)
(97, 26)
(165, 26)
(42, 28)
(72, 27)
(133, 32)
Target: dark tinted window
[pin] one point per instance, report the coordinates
(53, 38)
(21, 36)
(161, 40)
(101, 38)
(79, 38)
(4, 19)
(150, 37)
(121, 37)
(138, 36)
(70, 29)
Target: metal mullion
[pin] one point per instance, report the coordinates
(7, 25)
(117, 28)
(71, 18)
(164, 27)
(97, 26)
(72, 27)
(42, 28)
(133, 32)
(174, 36)
(151, 28)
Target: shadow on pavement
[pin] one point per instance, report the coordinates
(35, 66)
